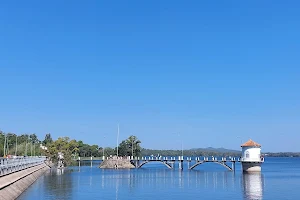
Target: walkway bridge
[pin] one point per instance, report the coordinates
(170, 162)
(11, 165)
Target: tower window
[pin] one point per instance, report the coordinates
(247, 154)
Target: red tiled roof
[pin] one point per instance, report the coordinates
(250, 143)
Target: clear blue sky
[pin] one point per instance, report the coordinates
(216, 72)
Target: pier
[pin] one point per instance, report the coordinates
(172, 162)
(251, 159)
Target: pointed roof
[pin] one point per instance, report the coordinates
(250, 143)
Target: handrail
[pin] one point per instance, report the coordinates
(11, 165)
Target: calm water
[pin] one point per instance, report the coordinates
(280, 179)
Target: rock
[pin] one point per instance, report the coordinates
(119, 164)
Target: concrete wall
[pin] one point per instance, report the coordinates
(251, 154)
(251, 166)
(13, 185)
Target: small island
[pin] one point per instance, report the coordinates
(114, 163)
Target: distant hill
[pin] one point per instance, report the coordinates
(211, 149)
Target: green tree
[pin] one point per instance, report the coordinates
(108, 151)
(130, 147)
(64, 145)
(48, 139)
(33, 138)
(123, 149)
(134, 145)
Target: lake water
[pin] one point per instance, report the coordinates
(279, 179)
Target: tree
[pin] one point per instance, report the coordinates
(123, 149)
(134, 145)
(33, 138)
(108, 151)
(130, 147)
(48, 139)
(65, 146)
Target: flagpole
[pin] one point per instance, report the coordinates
(118, 144)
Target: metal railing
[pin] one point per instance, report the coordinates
(11, 165)
(163, 158)
(253, 159)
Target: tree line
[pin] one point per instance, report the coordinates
(20, 145)
(190, 153)
(30, 145)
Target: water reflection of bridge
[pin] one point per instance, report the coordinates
(249, 185)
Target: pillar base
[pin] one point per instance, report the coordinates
(251, 166)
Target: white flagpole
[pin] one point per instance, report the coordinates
(118, 140)
(118, 144)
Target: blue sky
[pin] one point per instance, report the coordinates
(214, 72)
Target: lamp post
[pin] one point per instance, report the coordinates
(132, 147)
(181, 159)
(181, 142)
(16, 145)
(31, 148)
(181, 146)
(26, 146)
(4, 147)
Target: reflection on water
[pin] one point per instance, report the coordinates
(60, 171)
(146, 183)
(158, 182)
(144, 178)
(60, 184)
(253, 186)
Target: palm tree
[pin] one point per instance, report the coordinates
(134, 144)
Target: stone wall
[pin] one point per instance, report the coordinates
(13, 185)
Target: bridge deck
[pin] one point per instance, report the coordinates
(169, 159)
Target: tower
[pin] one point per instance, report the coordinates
(251, 157)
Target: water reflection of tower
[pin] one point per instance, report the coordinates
(253, 186)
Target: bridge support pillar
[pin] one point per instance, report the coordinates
(181, 164)
(137, 163)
